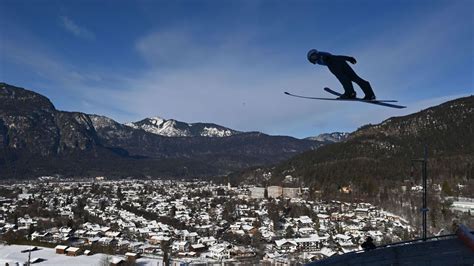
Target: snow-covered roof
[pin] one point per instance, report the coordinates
(72, 249)
(342, 237)
(198, 246)
(327, 251)
(116, 260)
(283, 241)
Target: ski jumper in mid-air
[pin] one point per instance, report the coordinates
(344, 73)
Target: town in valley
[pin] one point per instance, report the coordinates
(189, 221)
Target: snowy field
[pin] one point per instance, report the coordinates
(47, 256)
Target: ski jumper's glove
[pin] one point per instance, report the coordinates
(352, 60)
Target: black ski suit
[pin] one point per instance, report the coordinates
(344, 73)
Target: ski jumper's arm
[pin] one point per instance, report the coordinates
(345, 58)
(323, 58)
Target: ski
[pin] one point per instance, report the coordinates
(339, 94)
(377, 102)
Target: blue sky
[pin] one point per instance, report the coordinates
(228, 62)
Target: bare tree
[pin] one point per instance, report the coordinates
(104, 260)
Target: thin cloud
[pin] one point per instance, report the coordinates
(72, 27)
(228, 75)
(168, 48)
(43, 63)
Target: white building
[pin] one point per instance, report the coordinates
(274, 191)
(290, 192)
(219, 252)
(25, 223)
(257, 192)
(463, 204)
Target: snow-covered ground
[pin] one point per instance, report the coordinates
(12, 255)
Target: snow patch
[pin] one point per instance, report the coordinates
(132, 125)
(172, 128)
(214, 132)
(159, 126)
(331, 137)
(101, 121)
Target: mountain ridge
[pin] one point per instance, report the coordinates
(382, 153)
(174, 128)
(37, 140)
(332, 137)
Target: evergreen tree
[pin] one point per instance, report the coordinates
(289, 232)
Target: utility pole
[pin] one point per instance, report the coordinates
(424, 173)
(29, 257)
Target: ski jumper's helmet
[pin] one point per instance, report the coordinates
(311, 53)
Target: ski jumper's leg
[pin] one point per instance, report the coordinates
(338, 69)
(363, 84)
(346, 84)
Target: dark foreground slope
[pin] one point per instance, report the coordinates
(447, 250)
(36, 139)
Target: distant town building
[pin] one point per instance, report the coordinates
(131, 257)
(462, 204)
(289, 179)
(61, 249)
(346, 189)
(72, 251)
(26, 223)
(116, 261)
(257, 192)
(274, 191)
(290, 192)
(25, 195)
(362, 212)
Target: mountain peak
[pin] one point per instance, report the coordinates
(174, 128)
(10, 96)
(156, 120)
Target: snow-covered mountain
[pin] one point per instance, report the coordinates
(174, 128)
(331, 137)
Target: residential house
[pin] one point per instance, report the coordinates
(72, 251)
(286, 245)
(219, 251)
(274, 191)
(61, 249)
(181, 246)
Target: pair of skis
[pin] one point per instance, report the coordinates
(386, 103)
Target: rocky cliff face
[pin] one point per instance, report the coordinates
(32, 125)
(76, 132)
(29, 122)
